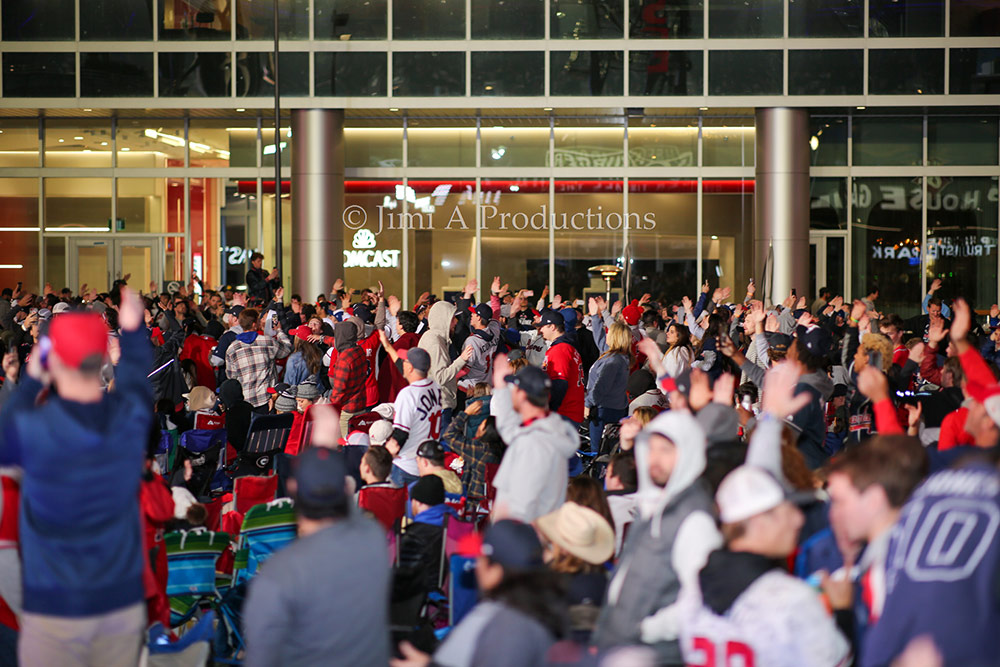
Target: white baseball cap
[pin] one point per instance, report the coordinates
(379, 432)
(749, 490)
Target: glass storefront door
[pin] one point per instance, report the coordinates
(98, 262)
(827, 262)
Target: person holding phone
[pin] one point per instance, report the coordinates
(260, 284)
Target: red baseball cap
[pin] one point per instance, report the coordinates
(80, 339)
(302, 331)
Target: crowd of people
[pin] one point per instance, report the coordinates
(709, 481)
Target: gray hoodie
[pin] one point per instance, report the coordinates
(666, 546)
(437, 341)
(532, 478)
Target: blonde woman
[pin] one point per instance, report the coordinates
(606, 401)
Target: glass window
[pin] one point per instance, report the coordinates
(375, 206)
(886, 242)
(27, 21)
(905, 18)
(441, 144)
(223, 143)
(373, 146)
(888, 141)
(663, 237)
(150, 143)
(974, 71)
(428, 74)
(828, 141)
(827, 203)
(962, 237)
(823, 18)
(508, 19)
(443, 241)
(19, 203)
(663, 142)
(351, 74)
(19, 249)
(745, 18)
(78, 204)
(255, 20)
(667, 19)
(55, 260)
(206, 195)
(728, 142)
(586, 73)
(78, 143)
(826, 72)
(268, 149)
(962, 140)
(978, 18)
(581, 142)
(203, 74)
(39, 74)
(113, 20)
(515, 218)
(588, 220)
(238, 232)
(508, 73)
(503, 146)
(350, 19)
(583, 19)
(905, 71)
(116, 74)
(201, 21)
(417, 19)
(727, 233)
(257, 79)
(744, 73)
(19, 143)
(665, 72)
(141, 203)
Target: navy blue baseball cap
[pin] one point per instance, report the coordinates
(321, 480)
(815, 339)
(512, 544)
(550, 316)
(364, 313)
(483, 310)
(533, 381)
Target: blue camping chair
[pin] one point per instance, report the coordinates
(204, 449)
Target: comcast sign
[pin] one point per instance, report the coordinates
(366, 255)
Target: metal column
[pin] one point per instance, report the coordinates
(317, 200)
(781, 221)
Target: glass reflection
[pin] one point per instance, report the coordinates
(667, 19)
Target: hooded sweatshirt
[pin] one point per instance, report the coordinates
(437, 342)
(666, 546)
(532, 477)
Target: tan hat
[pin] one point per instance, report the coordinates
(581, 531)
(200, 398)
(379, 432)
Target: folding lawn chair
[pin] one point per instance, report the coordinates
(267, 528)
(204, 449)
(191, 558)
(267, 436)
(251, 490)
(463, 593)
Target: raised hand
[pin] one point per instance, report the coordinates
(701, 393)
(961, 320)
(936, 332)
(914, 412)
(495, 285)
(805, 319)
(466, 353)
(751, 288)
(240, 299)
(873, 383)
(47, 290)
(381, 291)
(470, 288)
(592, 307)
(994, 311)
(704, 287)
(645, 299)
(504, 290)
(838, 301)
(475, 407)
(858, 308)
(556, 302)
(11, 365)
(648, 347)
(917, 353)
(935, 286)
(771, 324)
(338, 285)
(722, 391)
(326, 426)
(721, 294)
(616, 308)
(395, 305)
(501, 369)
(131, 313)
(801, 303)
(779, 398)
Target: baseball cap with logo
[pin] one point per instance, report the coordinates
(80, 340)
(483, 310)
(364, 313)
(380, 432)
(550, 316)
(750, 490)
(680, 383)
(816, 339)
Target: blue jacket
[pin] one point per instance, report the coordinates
(81, 535)
(606, 385)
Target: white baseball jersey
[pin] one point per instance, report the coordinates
(534, 347)
(418, 412)
(779, 621)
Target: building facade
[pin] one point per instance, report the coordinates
(531, 139)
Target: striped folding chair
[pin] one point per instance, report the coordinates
(191, 558)
(267, 528)
(267, 436)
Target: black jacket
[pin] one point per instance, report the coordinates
(419, 561)
(259, 286)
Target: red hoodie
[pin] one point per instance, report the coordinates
(390, 380)
(157, 506)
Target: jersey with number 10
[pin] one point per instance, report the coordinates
(418, 413)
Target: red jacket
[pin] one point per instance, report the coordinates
(198, 349)
(390, 380)
(563, 362)
(371, 345)
(157, 506)
(953, 430)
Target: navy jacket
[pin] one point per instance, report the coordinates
(81, 537)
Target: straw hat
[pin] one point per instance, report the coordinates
(200, 398)
(581, 531)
